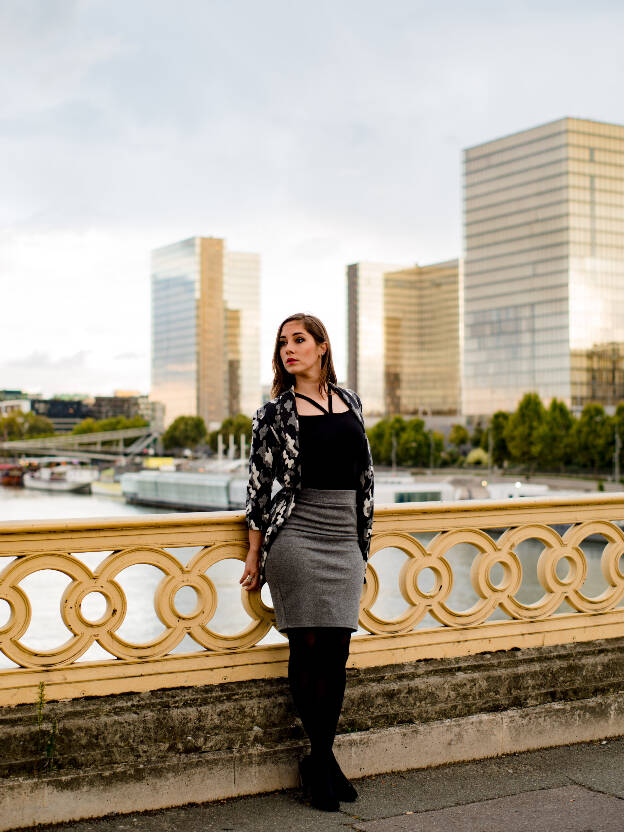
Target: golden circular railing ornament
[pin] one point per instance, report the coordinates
(19, 612)
(418, 602)
(488, 555)
(433, 558)
(262, 616)
(610, 562)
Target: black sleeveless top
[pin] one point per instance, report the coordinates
(332, 449)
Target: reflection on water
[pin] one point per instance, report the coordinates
(24, 504)
(141, 625)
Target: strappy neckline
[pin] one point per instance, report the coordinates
(316, 404)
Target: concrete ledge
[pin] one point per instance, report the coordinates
(205, 777)
(131, 752)
(480, 735)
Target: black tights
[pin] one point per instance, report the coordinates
(316, 672)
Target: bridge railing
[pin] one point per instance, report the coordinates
(531, 572)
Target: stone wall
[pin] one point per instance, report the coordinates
(122, 753)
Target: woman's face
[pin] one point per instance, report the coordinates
(300, 353)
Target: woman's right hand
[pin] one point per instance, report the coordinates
(251, 576)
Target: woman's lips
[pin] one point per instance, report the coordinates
(291, 360)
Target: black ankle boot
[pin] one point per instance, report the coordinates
(343, 787)
(317, 784)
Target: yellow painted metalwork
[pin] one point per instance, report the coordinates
(35, 546)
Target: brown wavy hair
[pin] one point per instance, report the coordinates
(282, 379)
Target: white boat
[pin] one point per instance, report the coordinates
(184, 491)
(404, 488)
(63, 478)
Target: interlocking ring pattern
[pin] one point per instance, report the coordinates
(176, 625)
(491, 595)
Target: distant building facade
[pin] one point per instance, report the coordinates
(422, 340)
(13, 401)
(544, 267)
(129, 404)
(153, 412)
(205, 330)
(107, 407)
(64, 414)
(365, 334)
(8, 406)
(403, 338)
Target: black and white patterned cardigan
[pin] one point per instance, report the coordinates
(275, 457)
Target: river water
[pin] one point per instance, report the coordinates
(45, 588)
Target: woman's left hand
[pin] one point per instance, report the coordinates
(251, 575)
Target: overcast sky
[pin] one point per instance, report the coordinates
(316, 133)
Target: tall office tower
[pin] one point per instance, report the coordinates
(241, 292)
(544, 266)
(422, 340)
(205, 330)
(365, 334)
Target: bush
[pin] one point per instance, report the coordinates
(477, 456)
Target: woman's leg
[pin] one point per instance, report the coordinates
(317, 676)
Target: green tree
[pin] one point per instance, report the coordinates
(35, 426)
(435, 454)
(413, 444)
(383, 436)
(554, 436)
(477, 435)
(112, 423)
(449, 457)
(233, 425)
(11, 427)
(20, 425)
(393, 434)
(497, 427)
(521, 433)
(593, 438)
(458, 436)
(184, 432)
(86, 426)
(618, 425)
(376, 440)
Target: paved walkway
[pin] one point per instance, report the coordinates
(576, 788)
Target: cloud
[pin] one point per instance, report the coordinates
(39, 360)
(128, 356)
(317, 134)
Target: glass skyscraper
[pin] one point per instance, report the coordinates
(404, 337)
(205, 330)
(422, 347)
(544, 266)
(365, 334)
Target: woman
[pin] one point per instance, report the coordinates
(311, 541)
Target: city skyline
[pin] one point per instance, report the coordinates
(544, 267)
(317, 136)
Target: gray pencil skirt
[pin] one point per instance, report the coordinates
(314, 568)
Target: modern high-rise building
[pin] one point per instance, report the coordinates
(422, 340)
(404, 337)
(544, 266)
(365, 334)
(205, 330)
